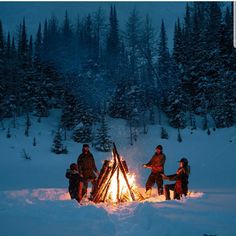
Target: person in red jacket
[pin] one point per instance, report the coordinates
(181, 177)
(156, 164)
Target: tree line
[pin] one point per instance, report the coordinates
(91, 68)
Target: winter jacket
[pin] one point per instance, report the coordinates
(157, 162)
(74, 179)
(181, 178)
(86, 165)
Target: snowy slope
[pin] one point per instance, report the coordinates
(34, 198)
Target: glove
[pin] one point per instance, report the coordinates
(164, 176)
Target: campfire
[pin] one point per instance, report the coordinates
(115, 184)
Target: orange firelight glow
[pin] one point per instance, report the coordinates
(118, 190)
(123, 193)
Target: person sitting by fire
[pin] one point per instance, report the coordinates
(156, 164)
(75, 182)
(181, 177)
(87, 169)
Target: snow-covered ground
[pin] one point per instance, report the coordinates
(34, 198)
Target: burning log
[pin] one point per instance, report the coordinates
(114, 183)
(120, 165)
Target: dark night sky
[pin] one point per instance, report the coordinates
(12, 13)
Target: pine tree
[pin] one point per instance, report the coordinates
(164, 134)
(83, 134)
(38, 49)
(113, 46)
(45, 41)
(8, 46)
(52, 38)
(99, 28)
(223, 111)
(213, 26)
(176, 108)
(113, 34)
(30, 53)
(147, 51)
(178, 53)
(8, 133)
(2, 46)
(133, 34)
(205, 123)
(34, 142)
(23, 47)
(66, 44)
(83, 131)
(57, 146)
(28, 124)
(179, 138)
(164, 60)
(86, 41)
(118, 107)
(67, 30)
(102, 140)
(152, 116)
(187, 38)
(208, 131)
(69, 116)
(41, 106)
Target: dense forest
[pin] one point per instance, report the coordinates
(92, 69)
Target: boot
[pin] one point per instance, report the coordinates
(160, 191)
(167, 193)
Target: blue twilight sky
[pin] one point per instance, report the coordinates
(11, 13)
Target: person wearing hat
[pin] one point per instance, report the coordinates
(75, 182)
(87, 169)
(181, 177)
(156, 164)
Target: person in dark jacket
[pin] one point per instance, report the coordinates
(87, 169)
(181, 177)
(75, 183)
(156, 164)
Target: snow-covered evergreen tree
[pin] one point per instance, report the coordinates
(164, 134)
(175, 109)
(69, 117)
(102, 140)
(83, 133)
(57, 146)
(118, 107)
(96, 63)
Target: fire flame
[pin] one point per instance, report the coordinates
(118, 190)
(123, 194)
